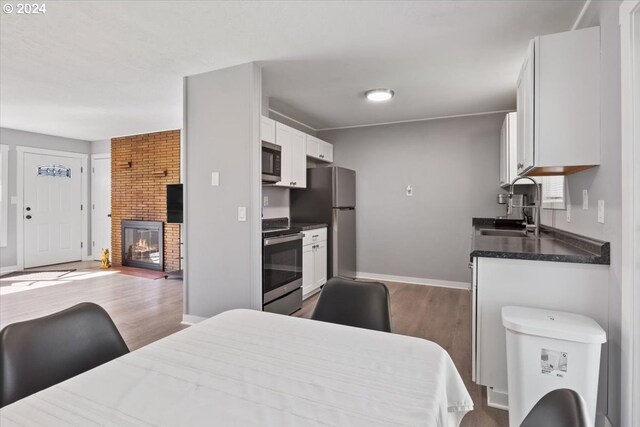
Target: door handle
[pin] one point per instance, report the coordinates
(108, 215)
(28, 208)
(28, 216)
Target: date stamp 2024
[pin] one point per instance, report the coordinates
(24, 8)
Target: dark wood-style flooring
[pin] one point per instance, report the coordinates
(441, 315)
(145, 310)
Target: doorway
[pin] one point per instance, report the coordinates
(51, 200)
(100, 204)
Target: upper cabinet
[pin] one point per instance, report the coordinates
(293, 156)
(509, 151)
(319, 149)
(559, 104)
(267, 129)
(296, 147)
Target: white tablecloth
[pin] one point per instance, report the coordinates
(246, 368)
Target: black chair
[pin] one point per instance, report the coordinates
(352, 303)
(39, 353)
(558, 408)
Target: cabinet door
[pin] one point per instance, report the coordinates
(308, 269)
(326, 151)
(284, 139)
(512, 147)
(298, 159)
(525, 106)
(474, 314)
(313, 147)
(320, 264)
(267, 129)
(504, 152)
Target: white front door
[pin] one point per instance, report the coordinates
(52, 209)
(101, 205)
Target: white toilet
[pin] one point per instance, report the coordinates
(548, 350)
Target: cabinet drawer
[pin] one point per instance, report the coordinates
(314, 236)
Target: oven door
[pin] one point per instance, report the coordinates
(281, 265)
(271, 162)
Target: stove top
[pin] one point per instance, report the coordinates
(278, 227)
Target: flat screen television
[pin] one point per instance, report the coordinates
(174, 203)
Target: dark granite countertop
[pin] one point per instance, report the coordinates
(553, 245)
(306, 226)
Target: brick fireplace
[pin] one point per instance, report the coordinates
(141, 168)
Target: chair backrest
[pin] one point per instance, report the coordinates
(39, 353)
(353, 303)
(558, 408)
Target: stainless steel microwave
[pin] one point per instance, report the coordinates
(271, 162)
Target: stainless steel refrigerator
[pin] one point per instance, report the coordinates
(330, 198)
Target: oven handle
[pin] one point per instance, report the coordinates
(277, 240)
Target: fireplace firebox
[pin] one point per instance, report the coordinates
(142, 244)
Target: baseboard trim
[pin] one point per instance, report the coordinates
(8, 269)
(413, 280)
(189, 319)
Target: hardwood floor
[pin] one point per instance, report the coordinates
(441, 315)
(143, 309)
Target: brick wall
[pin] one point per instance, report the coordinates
(139, 192)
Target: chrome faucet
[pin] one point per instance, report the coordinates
(536, 206)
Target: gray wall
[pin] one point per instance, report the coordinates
(453, 167)
(13, 138)
(222, 133)
(292, 123)
(101, 147)
(603, 183)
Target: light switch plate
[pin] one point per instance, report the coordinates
(242, 213)
(585, 199)
(601, 211)
(568, 212)
(215, 179)
(14, 200)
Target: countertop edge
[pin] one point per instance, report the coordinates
(582, 243)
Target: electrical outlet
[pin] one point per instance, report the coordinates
(409, 191)
(265, 201)
(601, 211)
(568, 213)
(585, 199)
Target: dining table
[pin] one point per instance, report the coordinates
(251, 368)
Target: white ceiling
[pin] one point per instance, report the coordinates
(98, 69)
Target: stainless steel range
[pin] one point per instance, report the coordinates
(281, 266)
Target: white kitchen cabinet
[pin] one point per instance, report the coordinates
(559, 104)
(326, 151)
(293, 157)
(314, 261)
(571, 287)
(509, 151)
(319, 149)
(267, 129)
(320, 264)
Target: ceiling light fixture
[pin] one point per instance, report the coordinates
(379, 95)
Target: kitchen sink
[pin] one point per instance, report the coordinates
(510, 233)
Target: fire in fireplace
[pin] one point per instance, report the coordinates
(142, 244)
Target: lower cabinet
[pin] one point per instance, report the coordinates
(314, 261)
(561, 286)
